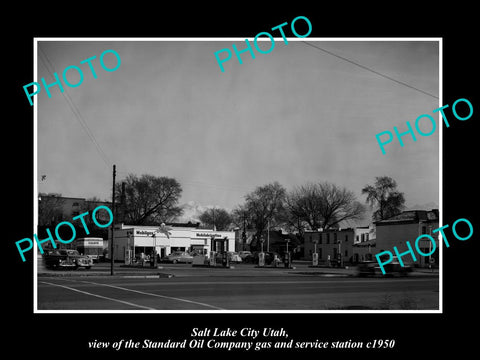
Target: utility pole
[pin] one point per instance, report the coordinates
(244, 235)
(113, 222)
(214, 228)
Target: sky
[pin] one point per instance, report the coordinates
(295, 115)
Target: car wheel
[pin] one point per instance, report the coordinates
(174, 261)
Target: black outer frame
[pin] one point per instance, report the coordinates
(415, 334)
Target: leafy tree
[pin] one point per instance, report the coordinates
(218, 218)
(149, 200)
(385, 196)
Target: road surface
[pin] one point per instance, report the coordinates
(203, 292)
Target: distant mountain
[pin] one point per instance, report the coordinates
(428, 206)
(193, 210)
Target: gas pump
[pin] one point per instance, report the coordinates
(315, 254)
(261, 255)
(225, 258)
(212, 251)
(288, 258)
(219, 246)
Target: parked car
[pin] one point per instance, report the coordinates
(244, 254)
(67, 259)
(247, 256)
(178, 257)
(235, 257)
(270, 257)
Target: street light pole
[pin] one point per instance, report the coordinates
(213, 210)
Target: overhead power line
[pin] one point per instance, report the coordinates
(370, 69)
(76, 112)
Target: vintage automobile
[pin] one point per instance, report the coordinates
(66, 259)
(178, 257)
(245, 254)
(234, 257)
(394, 268)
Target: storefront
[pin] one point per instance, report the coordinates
(131, 242)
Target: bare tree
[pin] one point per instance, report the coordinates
(265, 205)
(50, 209)
(149, 199)
(385, 196)
(216, 217)
(322, 205)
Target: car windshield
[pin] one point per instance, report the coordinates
(72, 252)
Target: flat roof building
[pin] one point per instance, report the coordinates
(132, 240)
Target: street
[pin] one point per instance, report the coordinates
(244, 289)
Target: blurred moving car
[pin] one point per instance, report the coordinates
(178, 257)
(393, 268)
(66, 259)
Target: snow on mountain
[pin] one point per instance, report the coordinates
(428, 206)
(193, 210)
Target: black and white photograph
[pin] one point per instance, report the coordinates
(239, 182)
(260, 187)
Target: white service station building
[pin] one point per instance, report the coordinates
(131, 240)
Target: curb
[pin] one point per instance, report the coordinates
(122, 275)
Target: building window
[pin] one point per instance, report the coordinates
(346, 252)
(424, 229)
(358, 238)
(75, 204)
(334, 237)
(328, 238)
(362, 237)
(319, 238)
(366, 237)
(346, 238)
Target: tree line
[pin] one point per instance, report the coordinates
(152, 200)
(149, 200)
